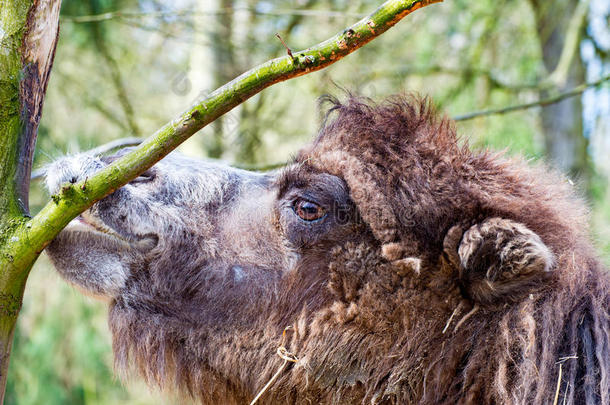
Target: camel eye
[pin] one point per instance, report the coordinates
(308, 211)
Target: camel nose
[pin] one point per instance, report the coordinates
(70, 169)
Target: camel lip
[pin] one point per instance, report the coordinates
(81, 223)
(87, 223)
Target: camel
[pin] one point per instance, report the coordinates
(388, 263)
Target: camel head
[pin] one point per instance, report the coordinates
(403, 263)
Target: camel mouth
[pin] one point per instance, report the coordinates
(86, 222)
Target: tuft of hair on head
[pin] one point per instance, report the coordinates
(376, 148)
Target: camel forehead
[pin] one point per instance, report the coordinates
(177, 166)
(189, 180)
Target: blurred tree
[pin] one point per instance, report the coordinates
(224, 66)
(250, 123)
(99, 37)
(560, 25)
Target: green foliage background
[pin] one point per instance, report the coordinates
(455, 52)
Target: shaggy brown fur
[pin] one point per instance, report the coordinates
(453, 277)
(412, 182)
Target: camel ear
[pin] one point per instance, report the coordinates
(499, 260)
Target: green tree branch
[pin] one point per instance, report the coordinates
(131, 15)
(538, 103)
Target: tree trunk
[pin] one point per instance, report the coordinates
(562, 123)
(28, 35)
(98, 35)
(224, 69)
